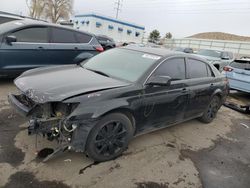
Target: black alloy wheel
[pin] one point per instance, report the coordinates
(211, 111)
(110, 137)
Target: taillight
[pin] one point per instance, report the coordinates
(228, 69)
(99, 49)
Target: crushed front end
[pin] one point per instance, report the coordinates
(53, 120)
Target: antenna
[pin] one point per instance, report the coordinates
(118, 5)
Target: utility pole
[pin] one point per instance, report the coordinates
(118, 5)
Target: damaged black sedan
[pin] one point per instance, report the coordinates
(98, 106)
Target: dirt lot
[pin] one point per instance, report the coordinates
(191, 154)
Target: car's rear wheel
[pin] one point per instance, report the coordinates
(110, 137)
(211, 111)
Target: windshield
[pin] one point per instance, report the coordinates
(122, 63)
(211, 53)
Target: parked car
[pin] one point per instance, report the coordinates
(238, 74)
(106, 42)
(185, 50)
(218, 58)
(27, 44)
(98, 106)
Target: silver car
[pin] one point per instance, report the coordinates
(218, 58)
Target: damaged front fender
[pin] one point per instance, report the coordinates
(56, 121)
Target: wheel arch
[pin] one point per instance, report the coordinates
(218, 93)
(126, 111)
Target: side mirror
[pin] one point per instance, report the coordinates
(82, 57)
(159, 81)
(10, 39)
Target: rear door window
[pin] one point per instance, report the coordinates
(63, 36)
(197, 69)
(32, 35)
(175, 68)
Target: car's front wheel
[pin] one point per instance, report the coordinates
(211, 111)
(109, 137)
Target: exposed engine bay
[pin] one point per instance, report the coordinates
(52, 121)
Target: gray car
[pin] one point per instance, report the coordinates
(27, 44)
(218, 58)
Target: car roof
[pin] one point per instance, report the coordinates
(156, 51)
(163, 52)
(150, 50)
(10, 16)
(16, 16)
(215, 50)
(29, 22)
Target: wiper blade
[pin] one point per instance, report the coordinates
(99, 72)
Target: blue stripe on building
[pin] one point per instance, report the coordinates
(110, 19)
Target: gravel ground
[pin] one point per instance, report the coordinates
(191, 154)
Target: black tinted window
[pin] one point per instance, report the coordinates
(83, 38)
(196, 69)
(175, 68)
(34, 35)
(63, 36)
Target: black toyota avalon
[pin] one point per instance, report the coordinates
(98, 106)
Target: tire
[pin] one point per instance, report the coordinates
(211, 111)
(109, 137)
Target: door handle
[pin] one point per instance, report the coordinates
(40, 48)
(76, 48)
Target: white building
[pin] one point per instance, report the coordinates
(120, 31)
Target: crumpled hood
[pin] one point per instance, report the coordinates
(60, 82)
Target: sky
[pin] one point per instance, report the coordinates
(180, 17)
